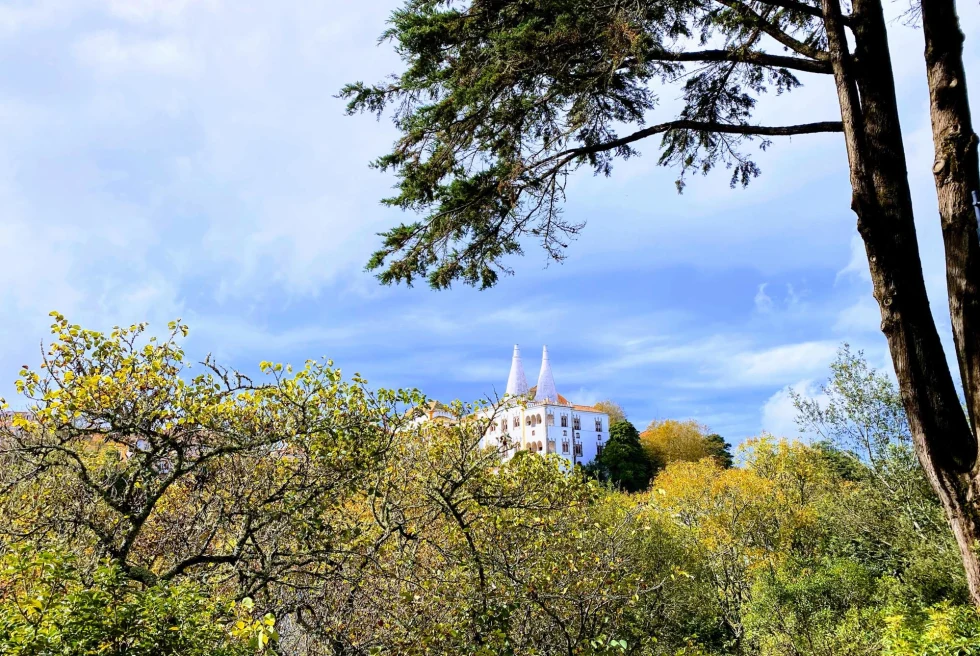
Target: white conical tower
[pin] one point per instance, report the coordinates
(546, 381)
(517, 381)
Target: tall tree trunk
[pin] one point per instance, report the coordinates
(882, 201)
(956, 176)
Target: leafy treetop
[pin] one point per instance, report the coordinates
(500, 101)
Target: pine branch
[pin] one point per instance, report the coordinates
(794, 6)
(704, 126)
(779, 35)
(746, 57)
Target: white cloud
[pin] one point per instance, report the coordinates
(111, 53)
(779, 414)
(857, 265)
(861, 317)
(149, 11)
(205, 170)
(776, 365)
(793, 298)
(18, 16)
(763, 302)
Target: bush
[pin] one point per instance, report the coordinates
(46, 608)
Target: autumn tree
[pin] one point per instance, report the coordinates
(321, 501)
(613, 409)
(123, 455)
(499, 103)
(669, 440)
(476, 555)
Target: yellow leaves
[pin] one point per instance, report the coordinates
(670, 440)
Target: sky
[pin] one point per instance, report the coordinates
(164, 159)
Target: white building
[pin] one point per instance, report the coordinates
(541, 420)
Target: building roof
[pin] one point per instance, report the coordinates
(561, 399)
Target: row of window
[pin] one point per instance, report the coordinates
(534, 420)
(538, 446)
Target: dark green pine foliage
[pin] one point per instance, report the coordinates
(720, 450)
(499, 101)
(623, 461)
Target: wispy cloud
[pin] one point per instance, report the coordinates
(189, 158)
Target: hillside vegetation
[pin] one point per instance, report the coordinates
(150, 508)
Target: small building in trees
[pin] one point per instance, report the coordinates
(536, 419)
(540, 420)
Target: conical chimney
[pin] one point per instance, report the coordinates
(516, 381)
(546, 380)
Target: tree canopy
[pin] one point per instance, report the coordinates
(622, 461)
(671, 440)
(144, 510)
(499, 103)
(613, 409)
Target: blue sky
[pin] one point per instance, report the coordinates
(182, 158)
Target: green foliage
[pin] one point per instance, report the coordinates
(622, 461)
(46, 607)
(129, 457)
(137, 500)
(938, 630)
(819, 606)
(720, 450)
(894, 518)
(499, 102)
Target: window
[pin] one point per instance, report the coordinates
(598, 424)
(539, 419)
(532, 433)
(577, 423)
(551, 446)
(564, 421)
(517, 423)
(551, 420)
(503, 425)
(564, 432)
(564, 446)
(578, 450)
(527, 420)
(493, 427)
(598, 450)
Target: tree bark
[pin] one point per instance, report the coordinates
(956, 176)
(943, 439)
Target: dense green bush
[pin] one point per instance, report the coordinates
(49, 607)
